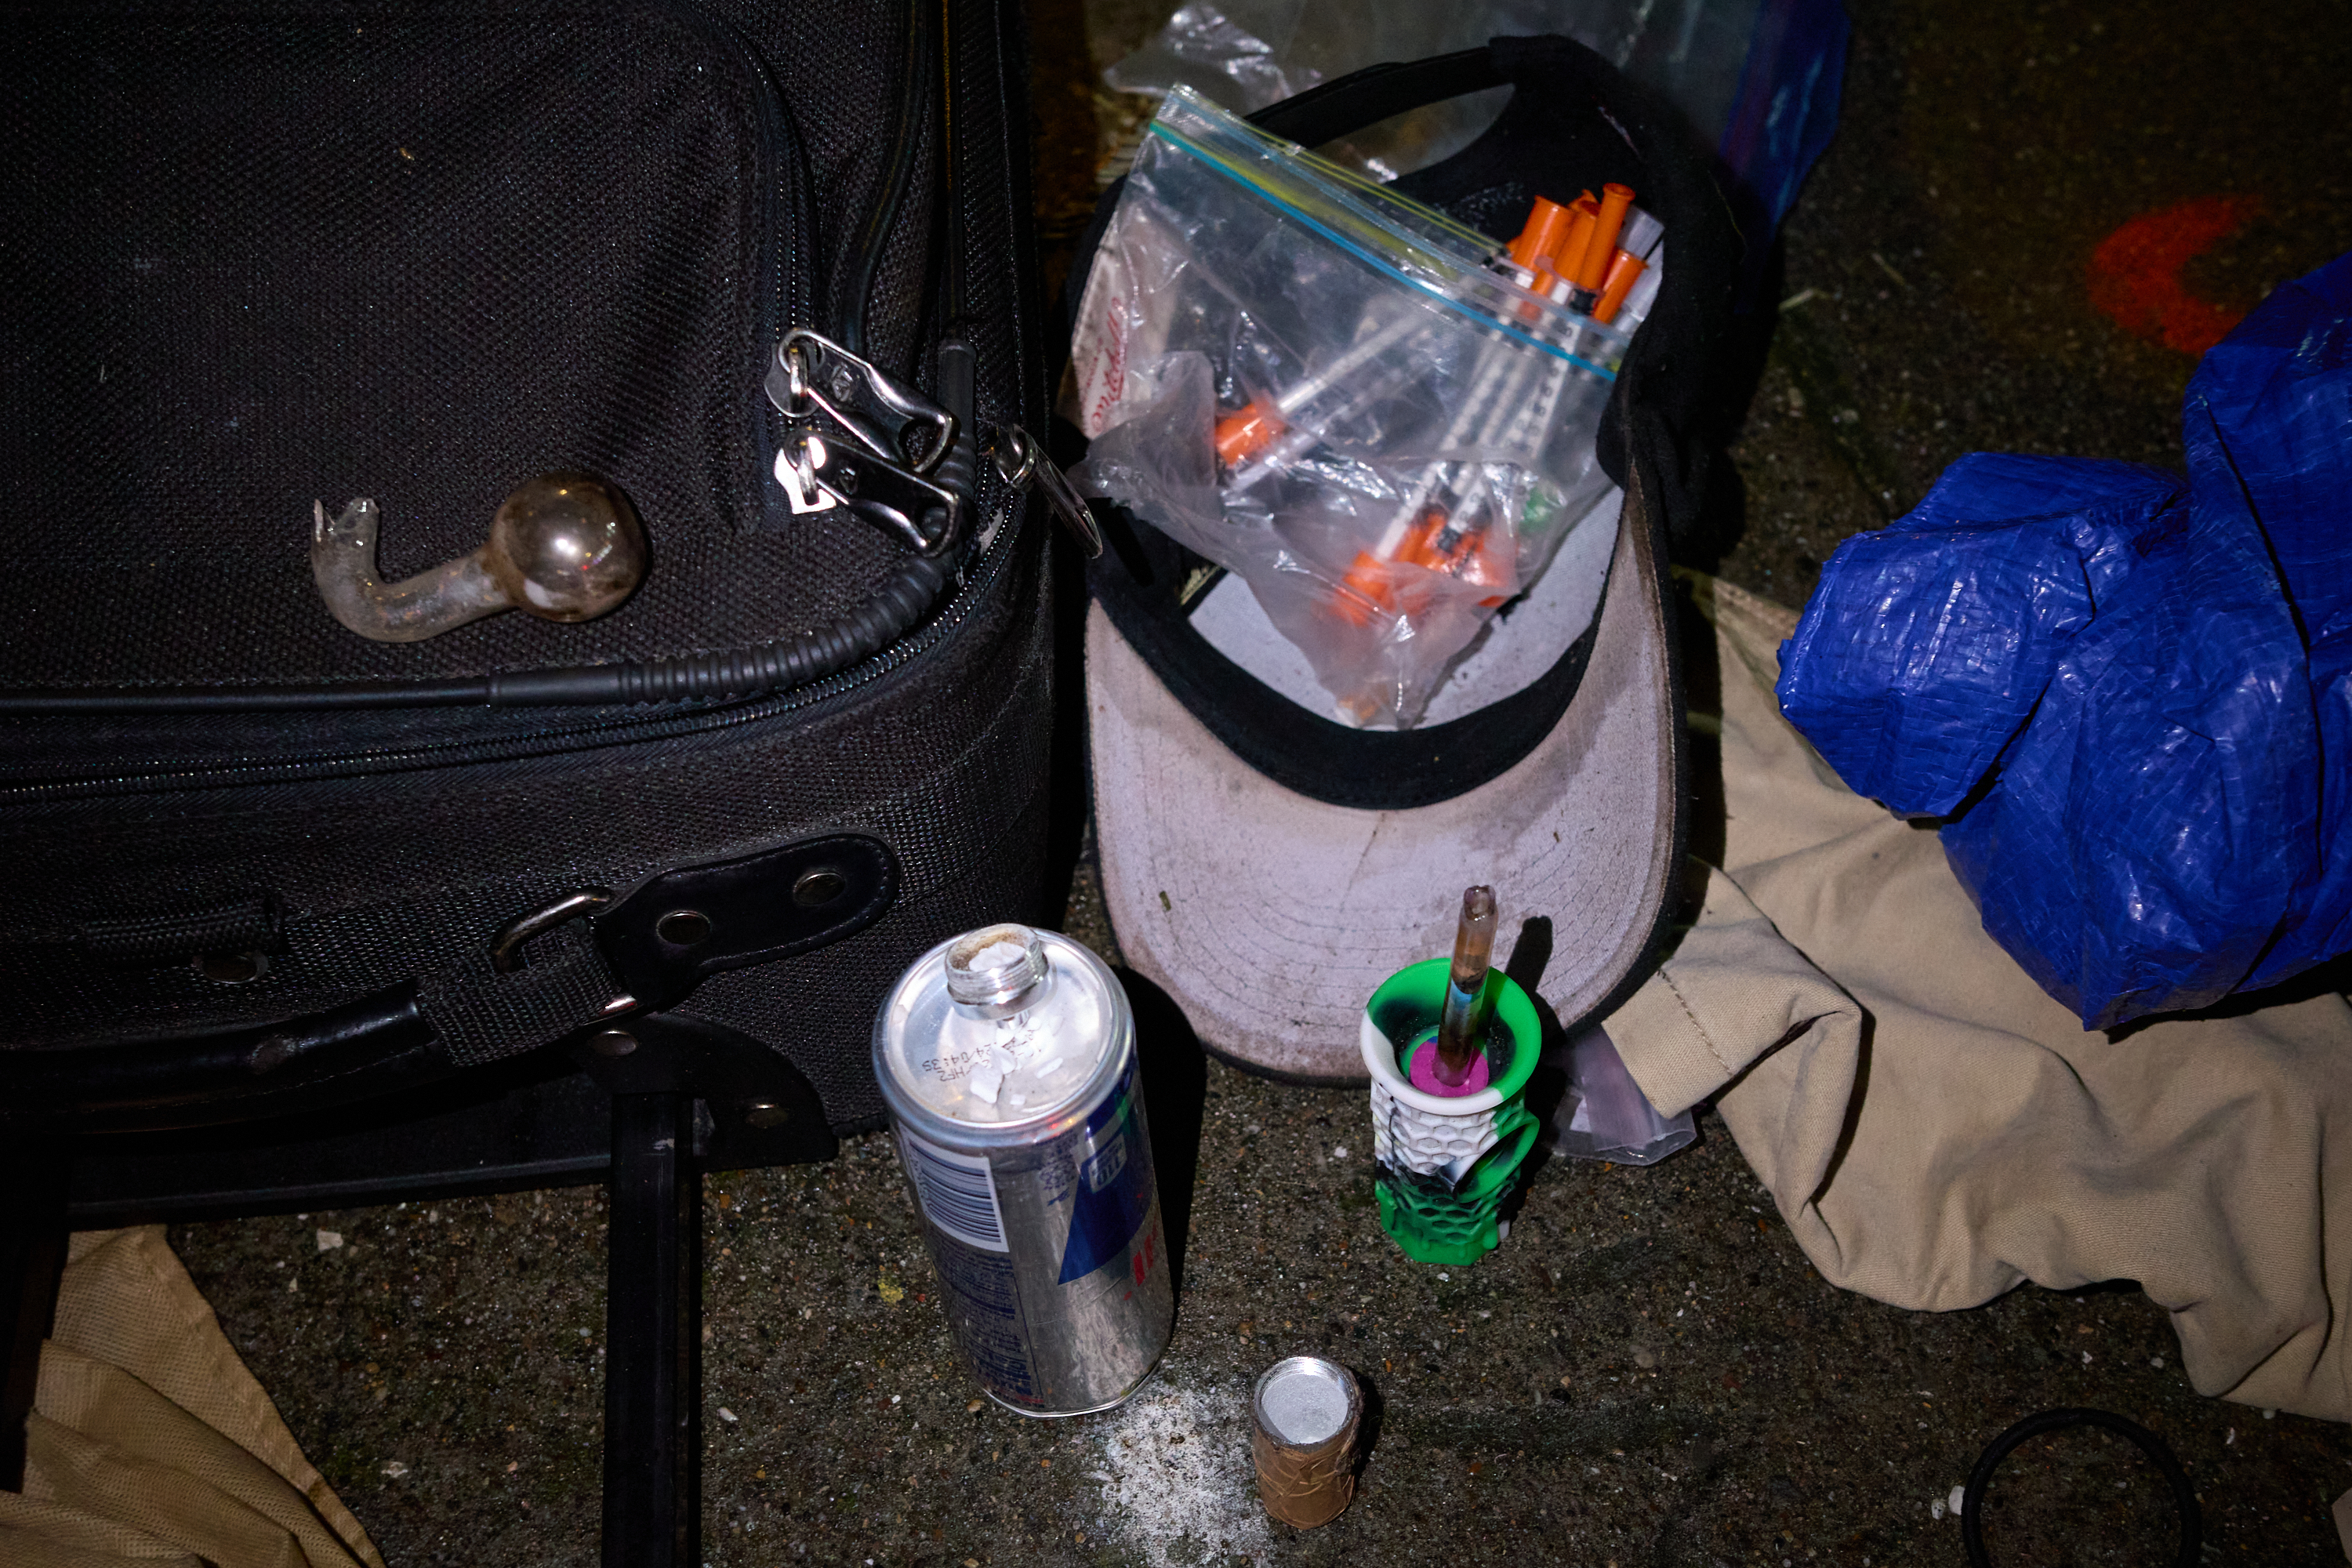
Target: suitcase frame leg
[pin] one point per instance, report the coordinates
(684, 1093)
(652, 1308)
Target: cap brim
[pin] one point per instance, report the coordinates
(1270, 917)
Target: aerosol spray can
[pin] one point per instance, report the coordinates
(1007, 1060)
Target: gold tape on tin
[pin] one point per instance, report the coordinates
(1305, 1413)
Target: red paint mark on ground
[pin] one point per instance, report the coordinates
(2136, 272)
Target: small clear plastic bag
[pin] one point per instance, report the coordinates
(1341, 396)
(1603, 1115)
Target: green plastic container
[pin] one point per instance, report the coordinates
(1439, 1191)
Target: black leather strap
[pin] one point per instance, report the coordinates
(681, 926)
(366, 1048)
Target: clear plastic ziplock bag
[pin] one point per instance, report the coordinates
(1342, 397)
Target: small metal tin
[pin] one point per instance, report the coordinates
(1303, 1416)
(1007, 1060)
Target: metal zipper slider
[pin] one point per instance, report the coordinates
(928, 516)
(904, 435)
(814, 374)
(1023, 463)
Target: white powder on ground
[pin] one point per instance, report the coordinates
(1184, 1502)
(1305, 1408)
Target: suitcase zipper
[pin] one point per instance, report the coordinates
(787, 223)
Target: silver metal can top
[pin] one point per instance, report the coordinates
(1304, 1401)
(1000, 1030)
(995, 972)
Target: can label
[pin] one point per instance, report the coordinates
(987, 1315)
(1110, 1194)
(957, 1193)
(1080, 1256)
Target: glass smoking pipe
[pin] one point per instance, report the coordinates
(563, 547)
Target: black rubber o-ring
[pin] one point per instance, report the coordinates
(2192, 1525)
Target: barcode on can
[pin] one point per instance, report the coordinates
(956, 1191)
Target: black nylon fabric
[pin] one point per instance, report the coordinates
(479, 1016)
(385, 878)
(613, 150)
(248, 925)
(384, 250)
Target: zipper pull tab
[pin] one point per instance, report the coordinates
(814, 374)
(1023, 464)
(929, 516)
(904, 435)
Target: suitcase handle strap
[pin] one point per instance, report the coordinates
(402, 1037)
(582, 960)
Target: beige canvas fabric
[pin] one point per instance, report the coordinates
(1936, 1130)
(151, 1444)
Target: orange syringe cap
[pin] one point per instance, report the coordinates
(1592, 267)
(1625, 269)
(1246, 432)
(1584, 213)
(1539, 241)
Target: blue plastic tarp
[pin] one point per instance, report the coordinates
(2128, 693)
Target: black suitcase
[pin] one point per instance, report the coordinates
(260, 256)
(264, 257)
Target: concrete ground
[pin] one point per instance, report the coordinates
(1647, 1371)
